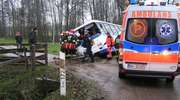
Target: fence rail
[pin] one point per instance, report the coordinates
(30, 55)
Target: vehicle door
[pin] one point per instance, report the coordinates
(136, 53)
(164, 45)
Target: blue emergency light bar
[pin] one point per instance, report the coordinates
(142, 2)
(133, 2)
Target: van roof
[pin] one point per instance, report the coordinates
(93, 21)
(171, 8)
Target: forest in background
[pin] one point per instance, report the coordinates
(54, 16)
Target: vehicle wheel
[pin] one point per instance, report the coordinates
(121, 73)
(170, 80)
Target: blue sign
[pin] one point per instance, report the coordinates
(166, 30)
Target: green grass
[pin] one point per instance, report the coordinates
(17, 83)
(10, 40)
(7, 40)
(53, 48)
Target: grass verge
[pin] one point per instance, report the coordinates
(18, 83)
(53, 48)
(7, 40)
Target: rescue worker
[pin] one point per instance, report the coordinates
(32, 36)
(81, 39)
(88, 45)
(64, 44)
(67, 43)
(72, 41)
(109, 43)
(19, 39)
(75, 43)
(32, 43)
(71, 45)
(61, 36)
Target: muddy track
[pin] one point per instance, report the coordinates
(105, 73)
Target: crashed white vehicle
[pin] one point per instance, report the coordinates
(99, 30)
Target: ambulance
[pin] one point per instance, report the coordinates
(150, 40)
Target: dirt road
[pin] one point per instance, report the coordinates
(105, 73)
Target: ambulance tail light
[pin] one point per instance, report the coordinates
(179, 56)
(179, 59)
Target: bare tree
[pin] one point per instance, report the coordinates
(54, 16)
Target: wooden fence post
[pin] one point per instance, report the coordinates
(25, 56)
(32, 55)
(62, 71)
(46, 53)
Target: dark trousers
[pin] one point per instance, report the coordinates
(32, 49)
(89, 54)
(19, 40)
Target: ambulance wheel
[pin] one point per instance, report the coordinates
(121, 72)
(170, 80)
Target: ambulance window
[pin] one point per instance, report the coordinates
(137, 30)
(151, 31)
(166, 31)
